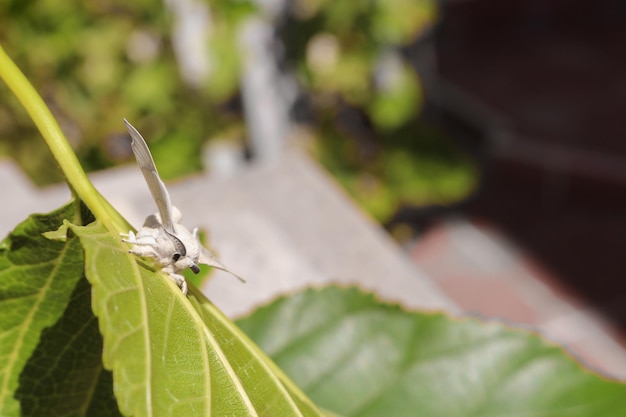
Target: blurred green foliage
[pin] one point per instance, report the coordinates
(367, 100)
(415, 165)
(96, 62)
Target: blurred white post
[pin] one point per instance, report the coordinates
(267, 93)
(190, 38)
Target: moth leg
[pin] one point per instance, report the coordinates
(145, 236)
(129, 237)
(142, 245)
(145, 251)
(143, 241)
(179, 280)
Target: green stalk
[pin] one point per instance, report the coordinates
(59, 146)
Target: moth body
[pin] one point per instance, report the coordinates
(162, 237)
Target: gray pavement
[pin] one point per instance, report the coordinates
(284, 225)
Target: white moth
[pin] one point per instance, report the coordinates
(162, 237)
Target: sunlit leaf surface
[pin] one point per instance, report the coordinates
(359, 357)
(171, 355)
(65, 376)
(37, 277)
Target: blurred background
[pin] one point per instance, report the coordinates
(484, 136)
(189, 72)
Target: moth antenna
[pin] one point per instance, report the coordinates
(180, 246)
(207, 258)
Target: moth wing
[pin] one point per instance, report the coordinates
(207, 258)
(150, 173)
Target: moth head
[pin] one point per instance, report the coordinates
(181, 258)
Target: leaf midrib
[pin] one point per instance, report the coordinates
(146, 338)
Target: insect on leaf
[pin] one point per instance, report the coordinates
(163, 237)
(171, 355)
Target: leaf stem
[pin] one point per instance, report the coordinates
(59, 146)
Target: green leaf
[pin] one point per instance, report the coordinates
(65, 376)
(357, 356)
(37, 277)
(171, 355)
(400, 101)
(401, 21)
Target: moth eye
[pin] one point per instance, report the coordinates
(176, 257)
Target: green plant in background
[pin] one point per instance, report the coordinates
(349, 57)
(97, 63)
(87, 329)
